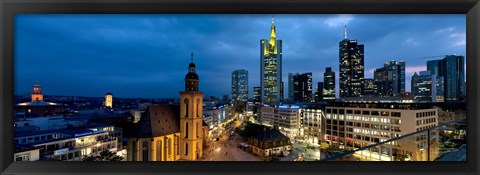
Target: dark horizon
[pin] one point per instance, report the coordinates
(147, 56)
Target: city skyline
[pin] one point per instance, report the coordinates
(144, 55)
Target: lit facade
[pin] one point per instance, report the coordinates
(312, 124)
(257, 94)
(390, 79)
(355, 125)
(109, 100)
(302, 87)
(368, 87)
(351, 67)
(240, 85)
(424, 87)
(69, 144)
(285, 118)
(329, 84)
(271, 68)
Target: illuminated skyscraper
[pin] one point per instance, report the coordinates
(451, 71)
(240, 85)
(424, 87)
(271, 68)
(351, 67)
(368, 87)
(257, 92)
(390, 79)
(329, 84)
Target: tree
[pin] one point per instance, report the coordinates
(105, 155)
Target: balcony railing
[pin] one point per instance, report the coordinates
(445, 142)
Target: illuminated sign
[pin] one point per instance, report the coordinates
(60, 151)
(289, 107)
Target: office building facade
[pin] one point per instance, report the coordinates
(424, 87)
(240, 85)
(390, 79)
(351, 67)
(351, 125)
(302, 87)
(451, 74)
(319, 92)
(329, 84)
(368, 87)
(257, 94)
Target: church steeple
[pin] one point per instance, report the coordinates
(37, 95)
(191, 79)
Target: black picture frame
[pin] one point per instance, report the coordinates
(9, 8)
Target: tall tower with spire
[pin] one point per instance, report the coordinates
(37, 95)
(271, 68)
(351, 67)
(191, 116)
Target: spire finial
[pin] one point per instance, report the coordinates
(345, 30)
(272, 19)
(192, 56)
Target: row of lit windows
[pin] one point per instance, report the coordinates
(364, 125)
(364, 112)
(364, 118)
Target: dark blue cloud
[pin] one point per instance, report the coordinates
(148, 55)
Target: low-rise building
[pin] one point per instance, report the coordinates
(69, 144)
(285, 118)
(311, 121)
(269, 142)
(351, 125)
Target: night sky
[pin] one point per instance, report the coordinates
(148, 55)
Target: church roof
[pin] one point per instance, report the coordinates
(158, 120)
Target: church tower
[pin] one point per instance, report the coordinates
(37, 95)
(191, 117)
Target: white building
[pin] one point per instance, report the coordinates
(355, 125)
(285, 118)
(312, 124)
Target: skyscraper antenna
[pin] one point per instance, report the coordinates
(345, 30)
(272, 19)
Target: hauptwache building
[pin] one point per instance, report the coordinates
(171, 132)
